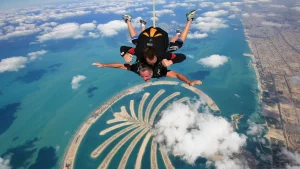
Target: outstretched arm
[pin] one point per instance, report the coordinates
(172, 74)
(112, 65)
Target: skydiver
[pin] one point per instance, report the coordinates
(147, 72)
(176, 41)
(157, 63)
(162, 44)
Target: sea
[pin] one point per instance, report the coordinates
(40, 112)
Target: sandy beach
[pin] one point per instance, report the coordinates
(252, 56)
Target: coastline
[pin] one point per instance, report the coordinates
(252, 56)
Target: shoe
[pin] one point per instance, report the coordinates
(127, 17)
(191, 15)
(178, 31)
(143, 22)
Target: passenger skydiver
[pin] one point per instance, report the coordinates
(147, 72)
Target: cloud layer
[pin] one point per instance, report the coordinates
(4, 163)
(67, 30)
(213, 61)
(34, 55)
(293, 158)
(209, 24)
(76, 81)
(255, 129)
(185, 132)
(197, 35)
(13, 63)
(112, 28)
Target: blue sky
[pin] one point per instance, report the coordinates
(9, 4)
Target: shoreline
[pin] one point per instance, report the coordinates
(252, 56)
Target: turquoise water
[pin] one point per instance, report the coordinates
(42, 112)
(232, 86)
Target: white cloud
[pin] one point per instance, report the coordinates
(257, 15)
(2, 24)
(271, 24)
(277, 6)
(67, 30)
(209, 24)
(245, 15)
(57, 147)
(226, 4)
(141, 9)
(215, 13)
(13, 63)
(5, 163)
(255, 129)
(256, 1)
(235, 9)
(76, 80)
(120, 9)
(294, 159)
(45, 14)
(163, 12)
(229, 5)
(34, 55)
(87, 26)
(297, 8)
(213, 61)
(237, 3)
(295, 80)
(272, 14)
(93, 35)
(206, 4)
(182, 129)
(22, 30)
(174, 5)
(112, 28)
(227, 163)
(48, 24)
(69, 14)
(9, 29)
(157, 2)
(156, 19)
(231, 16)
(197, 35)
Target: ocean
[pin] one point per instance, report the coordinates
(40, 111)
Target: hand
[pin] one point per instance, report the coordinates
(97, 64)
(128, 57)
(192, 83)
(166, 63)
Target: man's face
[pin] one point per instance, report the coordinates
(151, 62)
(146, 75)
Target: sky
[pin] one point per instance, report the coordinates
(9, 4)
